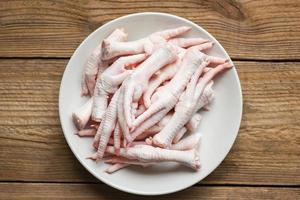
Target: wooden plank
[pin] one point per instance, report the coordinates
(266, 29)
(29, 91)
(32, 146)
(98, 191)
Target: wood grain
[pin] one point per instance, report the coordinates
(96, 191)
(266, 29)
(32, 146)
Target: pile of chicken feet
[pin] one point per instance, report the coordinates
(144, 97)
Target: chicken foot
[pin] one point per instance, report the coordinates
(113, 49)
(106, 127)
(149, 154)
(167, 98)
(134, 86)
(170, 70)
(109, 81)
(82, 115)
(188, 104)
(94, 63)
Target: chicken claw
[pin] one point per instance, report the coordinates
(82, 115)
(167, 97)
(91, 132)
(112, 49)
(187, 42)
(169, 71)
(121, 118)
(116, 167)
(179, 135)
(94, 64)
(134, 86)
(188, 104)
(115, 159)
(190, 142)
(106, 127)
(150, 154)
(109, 81)
(194, 122)
(165, 74)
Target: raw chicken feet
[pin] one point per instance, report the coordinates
(94, 64)
(110, 80)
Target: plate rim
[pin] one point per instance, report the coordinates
(132, 191)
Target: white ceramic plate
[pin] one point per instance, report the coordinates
(219, 126)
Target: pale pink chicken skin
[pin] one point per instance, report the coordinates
(82, 115)
(107, 126)
(187, 42)
(169, 95)
(121, 118)
(120, 163)
(176, 139)
(180, 43)
(113, 49)
(141, 108)
(117, 138)
(109, 81)
(179, 135)
(91, 132)
(156, 128)
(170, 70)
(146, 153)
(117, 159)
(188, 105)
(161, 79)
(190, 142)
(166, 73)
(116, 167)
(194, 122)
(150, 132)
(136, 143)
(95, 64)
(192, 125)
(134, 86)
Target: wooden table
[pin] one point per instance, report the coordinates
(37, 39)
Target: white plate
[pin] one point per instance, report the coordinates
(219, 126)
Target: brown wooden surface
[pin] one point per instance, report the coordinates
(262, 29)
(96, 191)
(36, 40)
